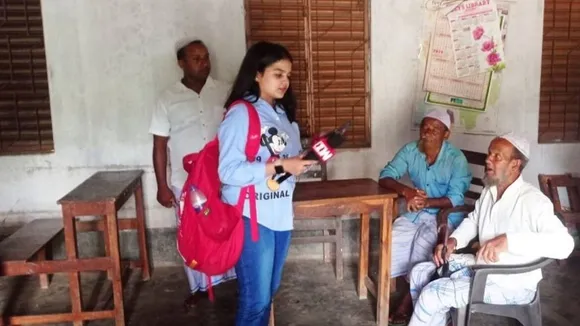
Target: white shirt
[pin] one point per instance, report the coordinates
(527, 218)
(190, 120)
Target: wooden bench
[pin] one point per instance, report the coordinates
(477, 159)
(30, 242)
(101, 195)
(25, 252)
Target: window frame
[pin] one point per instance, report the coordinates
(310, 113)
(556, 105)
(26, 125)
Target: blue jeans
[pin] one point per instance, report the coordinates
(259, 272)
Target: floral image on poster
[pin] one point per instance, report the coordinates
(476, 37)
(489, 47)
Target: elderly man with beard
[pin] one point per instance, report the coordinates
(440, 175)
(515, 223)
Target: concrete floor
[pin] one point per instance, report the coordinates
(310, 295)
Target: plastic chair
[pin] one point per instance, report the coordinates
(528, 314)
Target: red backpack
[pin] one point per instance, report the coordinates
(211, 240)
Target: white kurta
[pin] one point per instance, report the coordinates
(190, 120)
(527, 218)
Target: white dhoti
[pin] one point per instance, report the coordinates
(432, 301)
(413, 242)
(198, 281)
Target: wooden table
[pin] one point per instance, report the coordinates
(349, 197)
(102, 195)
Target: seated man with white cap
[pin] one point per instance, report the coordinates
(440, 175)
(515, 223)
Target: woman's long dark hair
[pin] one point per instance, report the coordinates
(260, 56)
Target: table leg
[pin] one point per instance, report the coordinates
(393, 285)
(383, 291)
(141, 232)
(70, 241)
(107, 248)
(44, 279)
(113, 231)
(339, 253)
(363, 263)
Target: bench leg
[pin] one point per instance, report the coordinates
(338, 247)
(140, 207)
(326, 255)
(42, 255)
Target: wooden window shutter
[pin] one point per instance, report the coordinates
(282, 21)
(329, 42)
(25, 121)
(560, 82)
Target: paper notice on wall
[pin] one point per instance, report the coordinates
(476, 37)
(460, 102)
(465, 103)
(440, 74)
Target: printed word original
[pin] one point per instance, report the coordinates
(272, 195)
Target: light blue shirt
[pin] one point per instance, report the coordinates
(448, 177)
(274, 208)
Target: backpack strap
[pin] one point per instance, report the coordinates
(252, 148)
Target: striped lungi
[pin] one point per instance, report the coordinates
(432, 301)
(413, 242)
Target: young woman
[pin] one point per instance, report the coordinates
(264, 81)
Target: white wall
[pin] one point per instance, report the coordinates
(395, 42)
(108, 59)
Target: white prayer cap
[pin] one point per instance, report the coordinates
(518, 142)
(441, 116)
(183, 42)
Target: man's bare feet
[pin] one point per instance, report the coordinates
(193, 299)
(402, 314)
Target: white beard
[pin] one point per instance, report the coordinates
(489, 181)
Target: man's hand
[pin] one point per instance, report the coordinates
(490, 251)
(438, 257)
(165, 197)
(416, 199)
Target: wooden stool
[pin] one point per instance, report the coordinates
(102, 195)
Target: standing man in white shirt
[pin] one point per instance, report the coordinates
(186, 117)
(515, 223)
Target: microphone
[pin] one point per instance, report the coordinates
(323, 148)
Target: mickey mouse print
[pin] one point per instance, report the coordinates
(275, 141)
